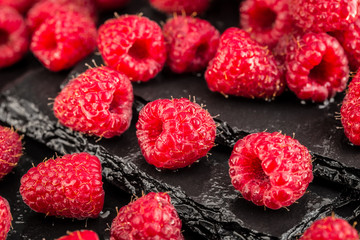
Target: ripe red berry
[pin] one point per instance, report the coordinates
(270, 169)
(111, 4)
(330, 228)
(316, 67)
(323, 15)
(5, 218)
(174, 133)
(149, 217)
(14, 36)
(63, 40)
(191, 43)
(133, 45)
(80, 235)
(179, 6)
(68, 186)
(265, 20)
(242, 67)
(97, 102)
(20, 5)
(10, 150)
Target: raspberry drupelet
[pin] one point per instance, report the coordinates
(133, 45)
(80, 235)
(97, 102)
(174, 133)
(20, 5)
(179, 6)
(270, 169)
(191, 43)
(10, 150)
(5, 218)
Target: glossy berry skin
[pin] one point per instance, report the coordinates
(5, 218)
(330, 228)
(233, 70)
(14, 36)
(10, 150)
(80, 235)
(97, 102)
(20, 5)
(108, 5)
(179, 6)
(149, 217)
(270, 169)
(316, 67)
(68, 186)
(265, 20)
(323, 15)
(191, 43)
(174, 133)
(133, 45)
(63, 40)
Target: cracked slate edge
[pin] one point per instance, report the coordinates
(211, 223)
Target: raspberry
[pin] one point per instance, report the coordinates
(270, 169)
(68, 186)
(111, 4)
(133, 45)
(39, 13)
(317, 67)
(63, 40)
(265, 20)
(191, 43)
(323, 15)
(5, 218)
(20, 5)
(10, 150)
(97, 102)
(179, 6)
(242, 67)
(149, 217)
(14, 37)
(80, 235)
(174, 133)
(330, 228)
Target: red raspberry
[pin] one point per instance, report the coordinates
(270, 169)
(63, 40)
(80, 235)
(111, 4)
(5, 218)
(317, 67)
(97, 102)
(68, 186)
(191, 43)
(39, 13)
(10, 150)
(20, 5)
(330, 228)
(242, 67)
(179, 6)
(265, 20)
(133, 45)
(174, 133)
(323, 15)
(149, 217)
(14, 37)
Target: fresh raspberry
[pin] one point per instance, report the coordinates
(20, 5)
(349, 38)
(63, 40)
(174, 133)
(191, 43)
(14, 36)
(97, 102)
(323, 15)
(111, 4)
(68, 186)
(10, 150)
(265, 20)
(330, 228)
(80, 235)
(316, 67)
(5, 218)
(270, 169)
(149, 217)
(242, 67)
(39, 13)
(180, 6)
(133, 45)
